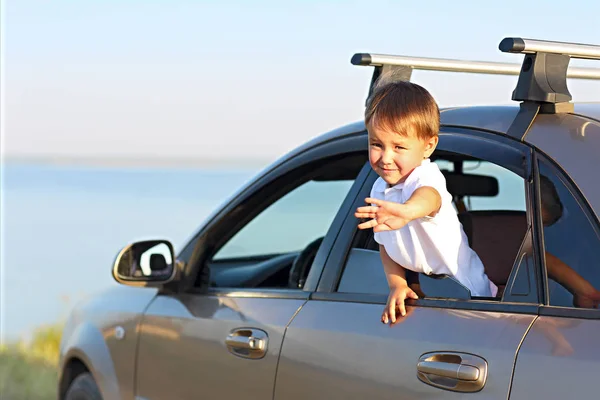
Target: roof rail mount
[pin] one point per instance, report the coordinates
(542, 75)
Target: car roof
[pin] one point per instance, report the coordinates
(497, 118)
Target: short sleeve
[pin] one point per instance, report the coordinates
(434, 179)
(431, 176)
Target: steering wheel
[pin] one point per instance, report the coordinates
(302, 263)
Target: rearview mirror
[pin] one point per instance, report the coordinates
(145, 263)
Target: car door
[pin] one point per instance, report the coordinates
(559, 357)
(218, 333)
(337, 347)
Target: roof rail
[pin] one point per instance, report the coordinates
(532, 46)
(542, 76)
(450, 65)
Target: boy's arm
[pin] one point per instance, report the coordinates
(394, 272)
(399, 290)
(424, 202)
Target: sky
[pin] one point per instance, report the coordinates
(235, 80)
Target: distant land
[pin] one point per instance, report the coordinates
(138, 161)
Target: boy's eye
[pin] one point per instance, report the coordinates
(400, 148)
(375, 144)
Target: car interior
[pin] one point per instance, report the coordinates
(496, 235)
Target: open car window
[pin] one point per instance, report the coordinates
(491, 203)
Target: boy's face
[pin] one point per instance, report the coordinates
(394, 156)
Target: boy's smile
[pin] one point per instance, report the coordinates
(394, 156)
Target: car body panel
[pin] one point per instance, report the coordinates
(558, 360)
(489, 118)
(590, 110)
(182, 342)
(91, 335)
(341, 350)
(572, 142)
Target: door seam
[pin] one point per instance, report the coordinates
(514, 366)
(281, 347)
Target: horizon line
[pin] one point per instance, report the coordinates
(137, 161)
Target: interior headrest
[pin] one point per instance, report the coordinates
(471, 184)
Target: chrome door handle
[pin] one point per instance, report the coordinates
(449, 370)
(248, 343)
(453, 371)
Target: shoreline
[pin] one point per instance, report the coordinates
(137, 162)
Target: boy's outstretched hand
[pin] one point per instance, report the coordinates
(385, 215)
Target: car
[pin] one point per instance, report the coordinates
(279, 295)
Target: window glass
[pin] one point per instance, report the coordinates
(290, 223)
(571, 243)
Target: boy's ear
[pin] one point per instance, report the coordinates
(430, 146)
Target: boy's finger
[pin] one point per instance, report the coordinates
(401, 307)
(371, 200)
(369, 224)
(413, 295)
(367, 209)
(392, 309)
(364, 215)
(384, 317)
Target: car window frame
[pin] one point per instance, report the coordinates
(546, 309)
(464, 141)
(194, 254)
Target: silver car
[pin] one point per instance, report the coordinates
(278, 295)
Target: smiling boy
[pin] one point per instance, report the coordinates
(411, 210)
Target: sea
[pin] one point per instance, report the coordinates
(63, 225)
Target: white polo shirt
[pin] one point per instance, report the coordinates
(432, 245)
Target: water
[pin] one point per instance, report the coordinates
(63, 226)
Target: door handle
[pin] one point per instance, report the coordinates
(458, 372)
(247, 343)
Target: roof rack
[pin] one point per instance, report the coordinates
(542, 75)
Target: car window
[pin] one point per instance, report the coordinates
(291, 223)
(510, 195)
(571, 242)
(491, 204)
(274, 235)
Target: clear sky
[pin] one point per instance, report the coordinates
(234, 79)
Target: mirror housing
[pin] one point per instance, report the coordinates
(149, 263)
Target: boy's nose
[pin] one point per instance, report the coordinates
(387, 158)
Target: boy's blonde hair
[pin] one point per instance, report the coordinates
(403, 107)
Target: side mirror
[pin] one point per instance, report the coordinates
(145, 263)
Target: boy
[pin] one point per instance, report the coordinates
(411, 211)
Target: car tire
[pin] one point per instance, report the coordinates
(83, 388)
